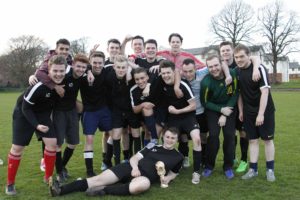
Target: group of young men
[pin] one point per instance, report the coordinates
(169, 93)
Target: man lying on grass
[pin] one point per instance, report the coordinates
(138, 174)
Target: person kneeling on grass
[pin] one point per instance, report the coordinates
(139, 173)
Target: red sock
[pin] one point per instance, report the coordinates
(49, 158)
(12, 167)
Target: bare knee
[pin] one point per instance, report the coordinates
(139, 185)
(268, 142)
(16, 149)
(71, 146)
(254, 142)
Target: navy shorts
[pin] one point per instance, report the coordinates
(23, 130)
(66, 126)
(266, 131)
(100, 119)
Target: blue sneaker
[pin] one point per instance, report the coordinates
(229, 174)
(125, 161)
(206, 173)
(103, 166)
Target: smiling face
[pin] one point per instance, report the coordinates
(168, 75)
(62, 50)
(150, 51)
(214, 68)
(79, 69)
(170, 140)
(137, 46)
(226, 52)
(242, 59)
(57, 72)
(141, 79)
(97, 64)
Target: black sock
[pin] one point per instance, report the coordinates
(235, 143)
(130, 145)
(197, 160)
(58, 163)
(109, 155)
(183, 148)
(244, 143)
(126, 154)
(137, 144)
(203, 152)
(67, 155)
(79, 116)
(76, 186)
(117, 151)
(88, 158)
(117, 189)
(143, 139)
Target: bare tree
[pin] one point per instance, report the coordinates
(25, 54)
(235, 23)
(79, 46)
(281, 30)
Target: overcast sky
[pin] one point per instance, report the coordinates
(100, 20)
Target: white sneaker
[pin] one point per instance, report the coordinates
(196, 178)
(42, 165)
(186, 162)
(1, 162)
(250, 174)
(270, 175)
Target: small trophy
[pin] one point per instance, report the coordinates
(161, 171)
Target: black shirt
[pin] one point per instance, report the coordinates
(137, 97)
(94, 96)
(119, 91)
(71, 87)
(171, 98)
(36, 99)
(171, 158)
(250, 90)
(142, 62)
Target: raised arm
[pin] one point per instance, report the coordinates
(124, 43)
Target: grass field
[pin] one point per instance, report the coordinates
(287, 143)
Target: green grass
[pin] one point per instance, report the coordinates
(293, 84)
(29, 179)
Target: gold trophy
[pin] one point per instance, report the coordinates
(161, 171)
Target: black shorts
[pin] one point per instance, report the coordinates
(66, 126)
(184, 123)
(265, 131)
(202, 121)
(23, 130)
(123, 172)
(122, 119)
